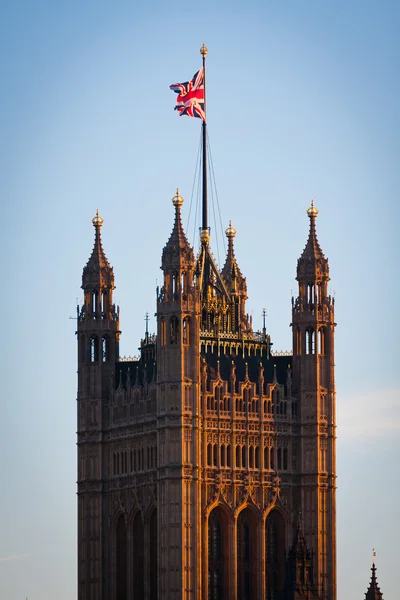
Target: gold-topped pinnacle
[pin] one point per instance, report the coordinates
(231, 231)
(203, 51)
(97, 220)
(177, 200)
(312, 211)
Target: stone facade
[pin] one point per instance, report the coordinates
(196, 459)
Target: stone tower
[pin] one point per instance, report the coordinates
(196, 457)
(98, 351)
(178, 410)
(314, 389)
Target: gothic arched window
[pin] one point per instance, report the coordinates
(247, 555)
(310, 340)
(218, 576)
(275, 554)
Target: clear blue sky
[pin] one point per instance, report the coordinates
(303, 102)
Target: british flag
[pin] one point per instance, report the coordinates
(190, 100)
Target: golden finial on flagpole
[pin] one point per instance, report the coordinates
(203, 51)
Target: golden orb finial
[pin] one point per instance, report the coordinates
(177, 200)
(231, 231)
(312, 211)
(97, 220)
(203, 51)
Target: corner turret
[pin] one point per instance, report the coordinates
(98, 317)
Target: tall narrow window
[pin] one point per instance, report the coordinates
(238, 457)
(104, 303)
(94, 349)
(186, 331)
(215, 449)
(247, 555)
(279, 457)
(104, 344)
(223, 455)
(321, 340)
(94, 302)
(138, 556)
(153, 557)
(251, 457)
(285, 459)
(275, 554)
(217, 558)
(310, 293)
(174, 330)
(310, 340)
(121, 566)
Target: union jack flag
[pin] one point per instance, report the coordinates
(190, 100)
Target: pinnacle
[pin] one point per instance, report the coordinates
(312, 249)
(231, 268)
(98, 262)
(98, 257)
(312, 259)
(178, 243)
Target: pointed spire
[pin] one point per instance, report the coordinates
(231, 272)
(299, 543)
(177, 247)
(98, 270)
(373, 592)
(312, 258)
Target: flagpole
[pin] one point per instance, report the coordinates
(205, 236)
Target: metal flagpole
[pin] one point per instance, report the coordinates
(205, 236)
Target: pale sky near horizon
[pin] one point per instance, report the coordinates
(303, 102)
